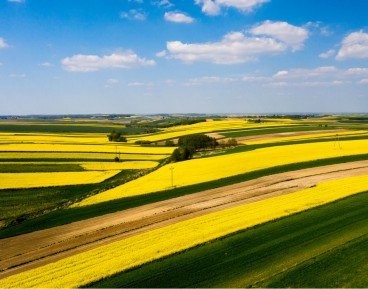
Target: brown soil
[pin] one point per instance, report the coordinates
(28, 251)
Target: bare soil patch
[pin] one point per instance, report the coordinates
(284, 134)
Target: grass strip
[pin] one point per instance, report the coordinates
(243, 259)
(38, 168)
(69, 215)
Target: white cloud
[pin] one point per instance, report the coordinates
(364, 81)
(178, 17)
(3, 43)
(291, 35)
(16, 1)
(355, 45)
(209, 7)
(134, 14)
(163, 3)
(327, 54)
(45, 64)
(161, 53)
(357, 71)
(235, 47)
(210, 80)
(281, 73)
(213, 7)
(254, 78)
(140, 84)
(302, 73)
(88, 63)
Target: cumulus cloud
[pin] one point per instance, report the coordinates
(89, 63)
(134, 15)
(239, 47)
(234, 48)
(3, 43)
(178, 17)
(327, 54)
(355, 45)
(291, 35)
(213, 7)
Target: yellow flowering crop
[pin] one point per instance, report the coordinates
(107, 166)
(107, 148)
(49, 138)
(104, 261)
(205, 127)
(34, 180)
(309, 137)
(75, 155)
(208, 169)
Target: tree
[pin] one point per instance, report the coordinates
(116, 136)
(197, 141)
(182, 154)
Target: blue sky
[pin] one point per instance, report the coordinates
(183, 56)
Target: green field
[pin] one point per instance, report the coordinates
(38, 168)
(288, 252)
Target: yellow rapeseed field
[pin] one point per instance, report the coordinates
(108, 166)
(34, 180)
(206, 127)
(4, 156)
(82, 269)
(107, 148)
(207, 169)
(49, 138)
(317, 136)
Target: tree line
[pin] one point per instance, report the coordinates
(189, 144)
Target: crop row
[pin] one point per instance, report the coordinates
(82, 269)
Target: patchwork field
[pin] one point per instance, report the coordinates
(78, 210)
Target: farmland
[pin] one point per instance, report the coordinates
(112, 214)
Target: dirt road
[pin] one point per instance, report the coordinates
(35, 249)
